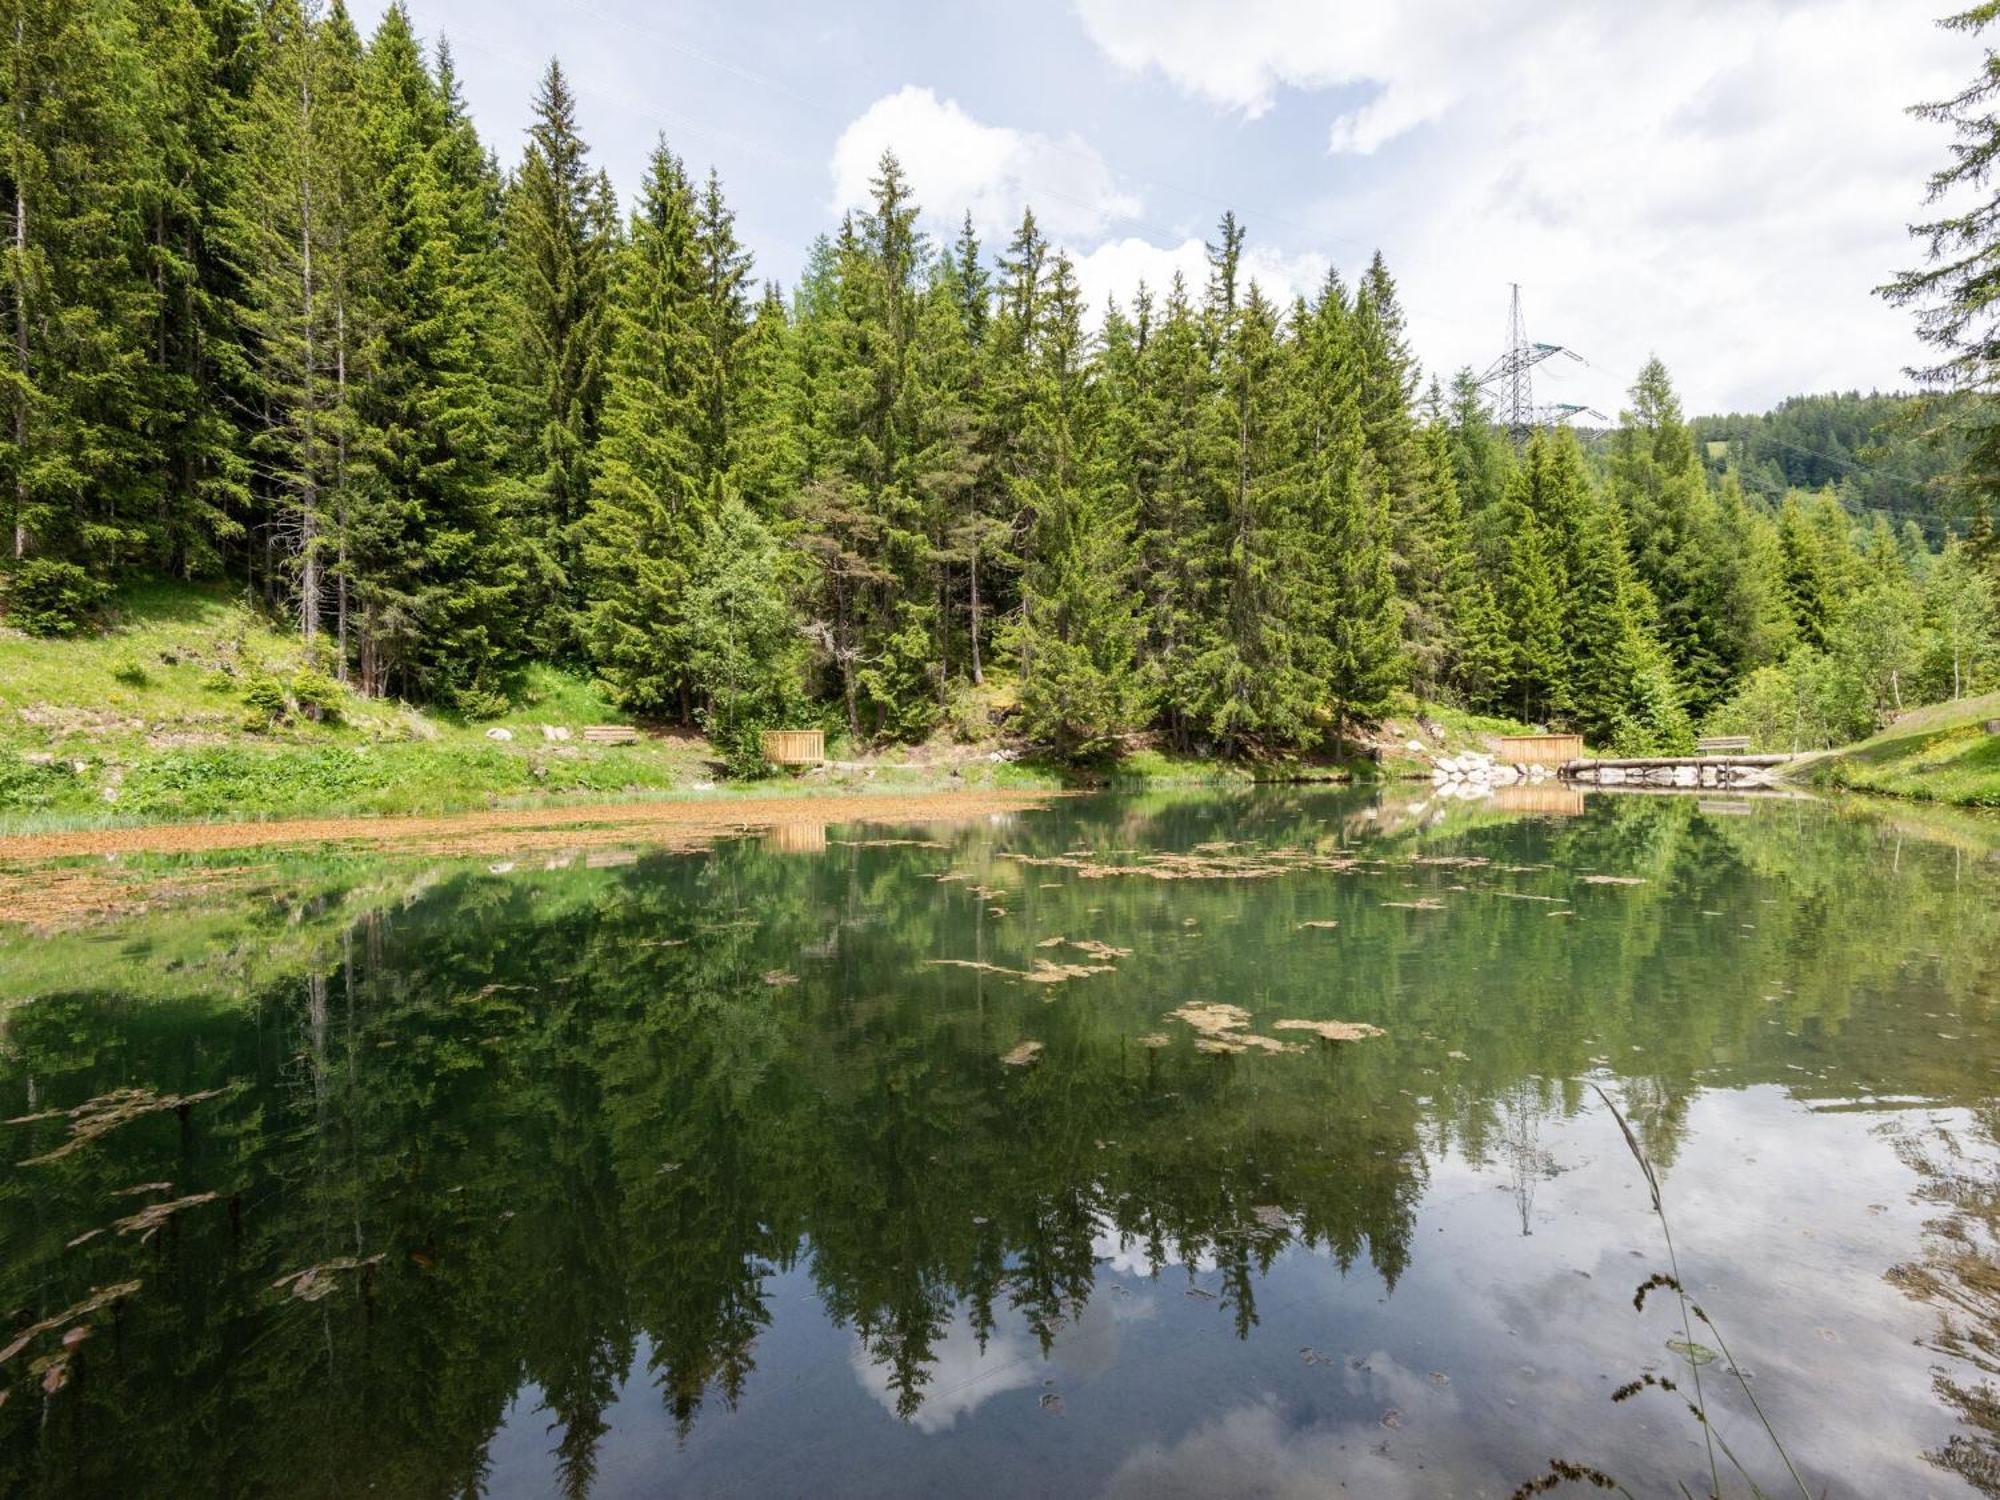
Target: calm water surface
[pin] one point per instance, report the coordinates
(702, 1174)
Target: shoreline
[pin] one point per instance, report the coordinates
(483, 831)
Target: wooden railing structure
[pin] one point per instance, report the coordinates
(794, 747)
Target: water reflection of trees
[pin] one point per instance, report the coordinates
(576, 1118)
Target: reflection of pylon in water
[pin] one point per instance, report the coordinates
(1529, 1161)
(1510, 382)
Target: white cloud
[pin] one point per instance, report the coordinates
(1722, 182)
(957, 164)
(1116, 267)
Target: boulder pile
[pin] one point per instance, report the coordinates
(1474, 770)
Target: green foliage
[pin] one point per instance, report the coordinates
(305, 694)
(49, 598)
(34, 785)
(1811, 701)
(744, 654)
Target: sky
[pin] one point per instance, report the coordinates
(1719, 182)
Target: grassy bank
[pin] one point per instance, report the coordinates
(1937, 754)
(190, 704)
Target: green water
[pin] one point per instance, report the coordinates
(698, 1175)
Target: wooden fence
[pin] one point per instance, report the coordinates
(1541, 749)
(794, 747)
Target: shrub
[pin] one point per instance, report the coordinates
(306, 694)
(31, 786)
(130, 671)
(52, 598)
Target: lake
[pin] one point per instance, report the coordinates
(891, 1158)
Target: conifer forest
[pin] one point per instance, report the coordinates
(277, 314)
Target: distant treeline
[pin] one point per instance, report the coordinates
(1877, 452)
(275, 313)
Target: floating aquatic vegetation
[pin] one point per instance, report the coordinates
(1086, 945)
(1332, 1031)
(888, 843)
(1216, 861)
(1043, 972)
(1425, 903)
(1319, 926)
(1156, 1039)
(779, 977)
(101, 1297)
(147, 1221)
(1220, 1029)
(1021, 1055)
(1613, 879)
(104, 1114)
(315, 1282)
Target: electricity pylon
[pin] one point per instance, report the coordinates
(1510, 381)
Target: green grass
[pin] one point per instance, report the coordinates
(1937, 754)
(147, 720)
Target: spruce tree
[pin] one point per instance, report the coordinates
(649, 502)
(767, 455)
(725, 321)
(1346, 619)
(75, 461)
(1535, 681)
(560, 242)
(421, 554)
(1679, 550)
(1262, 692)
(1181, 457)
(302, 232)
(200, 55)
(1077, 635)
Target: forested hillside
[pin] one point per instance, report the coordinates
(1878, 452)
(277, 315)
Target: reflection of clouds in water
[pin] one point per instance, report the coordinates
(1131, 1254)
(962, 1375)
(1248, 1451)
(1380, 1378)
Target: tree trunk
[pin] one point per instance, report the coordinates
(340, 489)
(978, 676)
(309, 579)
(20, 293)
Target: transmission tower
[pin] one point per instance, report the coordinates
(1510, 380)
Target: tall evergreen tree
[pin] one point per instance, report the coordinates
(1686, 562)
(1181, 454)
(650, 502)
(75, 172)
(201, 56)
(420, 551)
(304, 232)
(1077, 636)
(561, 238)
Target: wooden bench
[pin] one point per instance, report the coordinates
(611, 734)
(1724, 744)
